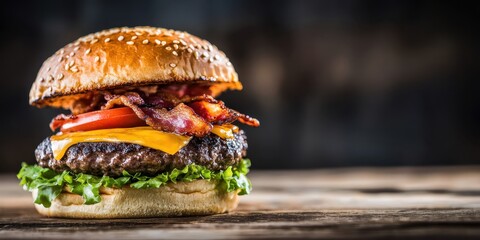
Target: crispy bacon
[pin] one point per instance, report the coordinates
(130, 98)
(154, 111)
(247, 120)
(217, 113)
(181, 90)
(180, 120)
(87, 104)
(59, 120)
(159, 101)
(180, 109)
(166, 96)
(214, 112)
(169, 101)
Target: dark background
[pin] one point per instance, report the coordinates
(334, 83)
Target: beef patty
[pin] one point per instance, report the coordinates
(104, 158)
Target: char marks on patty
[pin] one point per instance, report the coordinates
(111, 159)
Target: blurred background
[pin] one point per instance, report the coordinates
(334, 83)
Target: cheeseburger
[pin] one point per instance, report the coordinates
(145, 135)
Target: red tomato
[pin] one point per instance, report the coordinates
(112, 118)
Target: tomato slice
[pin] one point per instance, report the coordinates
(112, 118)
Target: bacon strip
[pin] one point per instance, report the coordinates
(181, 90)
(209, 109)
(59, 120)
(180, 120)
(245, 119)
(176, 109)
(130, 98)
(170, 95)
(214, 112)
(88, 104)
(217, 113)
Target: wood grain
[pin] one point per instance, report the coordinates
(441, 203)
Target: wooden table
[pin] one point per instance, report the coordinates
(421, 203)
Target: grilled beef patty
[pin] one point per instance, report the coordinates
(104, 158)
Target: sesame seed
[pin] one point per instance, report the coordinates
(183, 42)
(196, 54)
(164, 43)
(71, 63)
(74, 69)
(210, 60)
(76, 43)
(48, 69)
(175, 53)
(167, 34)
(204, 55)
(50, 78)
(145, 41)
(97, 58)
(168, 48)
(210, 48)
(121, 38)
(134, 37)
(158, 42)
(130, 43)
(94, 41)
(88, 51)
(189, 50)
(60, 59)
(107, 40)
(176, 42)
(42, 79)
(173, 65)
(67, 67)
(76, 49)
(62, 51)
(60, 76)
(72, 54)
(229, 63)
(205, 47)
(138, 33)
(175, 46)
(216, 57)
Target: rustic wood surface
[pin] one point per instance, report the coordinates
(419, 203)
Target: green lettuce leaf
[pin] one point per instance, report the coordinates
(50, 184)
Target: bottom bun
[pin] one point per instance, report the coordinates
(199, 197)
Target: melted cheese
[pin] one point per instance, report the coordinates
(225, 131)
(145, 136)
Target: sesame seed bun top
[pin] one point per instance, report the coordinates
(130, 58)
